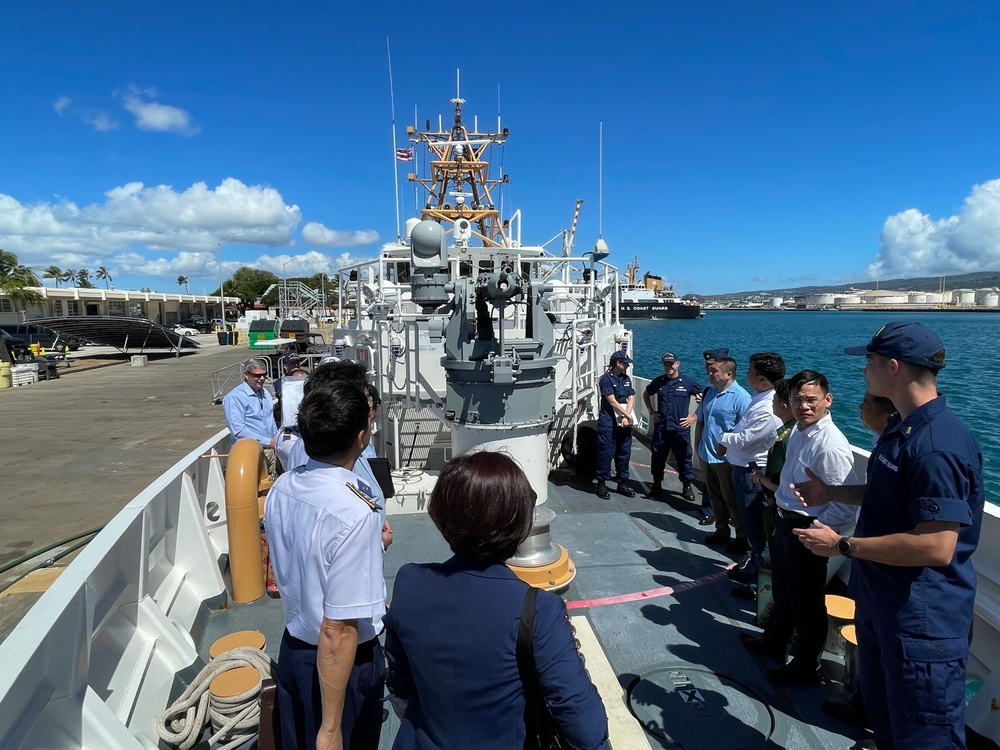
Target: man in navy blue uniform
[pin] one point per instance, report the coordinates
(912, 579)
(614, 426)
(672, 423)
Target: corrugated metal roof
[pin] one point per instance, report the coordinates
(124, 334)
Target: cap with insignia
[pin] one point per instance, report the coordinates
(907, 342)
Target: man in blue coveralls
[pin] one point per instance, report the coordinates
(614, 426)
(913, 580)
(672, 423)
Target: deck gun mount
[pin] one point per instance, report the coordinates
(500, 374)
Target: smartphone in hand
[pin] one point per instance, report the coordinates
(752, 465)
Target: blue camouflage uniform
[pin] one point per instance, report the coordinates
(914, 622)
(673, 402)
(613, 440)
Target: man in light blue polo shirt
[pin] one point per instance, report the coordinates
(719, 410)
(249, 410)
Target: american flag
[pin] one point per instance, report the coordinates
(404, 154)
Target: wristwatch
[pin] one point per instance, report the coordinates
(844, 546)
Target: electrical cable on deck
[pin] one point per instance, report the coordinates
(234, 719)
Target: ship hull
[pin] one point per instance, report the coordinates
(648, 310)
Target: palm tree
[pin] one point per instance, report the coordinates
(53, 272)
(83, 279)
(183, 281)
(16, 279)
(68, 275)
(104, 273)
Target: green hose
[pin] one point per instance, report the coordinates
(37, 552)
(47, 563)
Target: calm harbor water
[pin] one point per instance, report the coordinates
(817, 339)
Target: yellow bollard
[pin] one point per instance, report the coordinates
(245, 470)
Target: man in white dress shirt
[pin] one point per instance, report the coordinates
(799, 577)
(746, 444)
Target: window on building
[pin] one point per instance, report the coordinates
(6, 306)
(135, 311)
(72, 307)
(116, 308)
(57, 308)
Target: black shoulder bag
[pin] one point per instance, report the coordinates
(543, 732)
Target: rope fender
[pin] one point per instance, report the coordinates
(234, 720)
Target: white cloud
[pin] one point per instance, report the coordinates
(315, 233)
(192, 221)
(100, 120)
(914, 244)
(304, 264)
(61, 104)
(154, 116)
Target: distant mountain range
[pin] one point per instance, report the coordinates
(922, 284)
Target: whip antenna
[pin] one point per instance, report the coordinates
(395, 151)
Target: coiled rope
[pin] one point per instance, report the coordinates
(234, 719)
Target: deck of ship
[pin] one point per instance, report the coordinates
(660, 606)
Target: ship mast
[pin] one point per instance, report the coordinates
(633, 269)
(459, 185)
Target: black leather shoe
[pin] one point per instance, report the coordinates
(717, 537)
(758, 644)
(602, 491)
(654, 492)
(688, 492)
(850, 711)
(791, 674)
(739, 575)
(707, 521)
(737, 546)
(624, 489)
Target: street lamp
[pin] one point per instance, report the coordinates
(283, 307)
(222, 292)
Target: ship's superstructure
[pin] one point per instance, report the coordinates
(651, 300)
(476, 338)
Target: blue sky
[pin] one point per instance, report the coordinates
(746, 145)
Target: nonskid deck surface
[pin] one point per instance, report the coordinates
(660, 606)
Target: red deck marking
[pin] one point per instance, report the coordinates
(647, 594)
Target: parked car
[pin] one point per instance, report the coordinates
(184, 330)
(44, 337)
(14, 344)
(199, 324)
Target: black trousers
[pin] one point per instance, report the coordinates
(674, 442)
(302, 709)
(799, 581)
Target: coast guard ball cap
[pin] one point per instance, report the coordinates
(668, 358)
(292, 357)
(619, 355)
(907, 342)
(716, 353)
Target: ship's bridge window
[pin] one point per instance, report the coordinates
(398, 272)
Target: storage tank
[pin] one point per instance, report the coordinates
(917, 298)
(819, 300)
(964, 297)
(988, 297)
(848, 299)
(893, 299)
(777, 302)
(935, 298)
